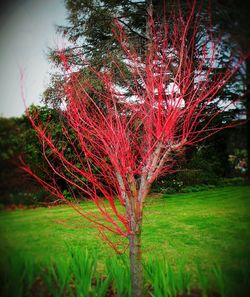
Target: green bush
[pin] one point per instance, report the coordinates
(234, 181)
(186, 182)
(38, 198)
(167, 185)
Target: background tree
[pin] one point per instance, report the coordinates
(17, 137)
(232, 18)
(10, 147)
(122, 146)
(88, 31)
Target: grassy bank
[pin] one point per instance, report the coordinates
(208, 227)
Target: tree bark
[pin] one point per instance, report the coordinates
(248, 118)
(136, 268)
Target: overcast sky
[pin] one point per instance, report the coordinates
(27, 29)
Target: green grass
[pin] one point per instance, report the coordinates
(209, 227)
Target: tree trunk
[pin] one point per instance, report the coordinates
(136, 269)
(248, 118)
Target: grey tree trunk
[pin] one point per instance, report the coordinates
(248, 118)
(136, 268)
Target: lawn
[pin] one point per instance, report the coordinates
(210, 227)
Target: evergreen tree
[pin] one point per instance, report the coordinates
(89, 32)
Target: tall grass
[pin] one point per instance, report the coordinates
(164, 281)
(79, 276)
(118, 270)
(220, 280)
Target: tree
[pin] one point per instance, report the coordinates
(18, 137)
(232, 18)
(98, 44)
(89, 32)
(122, 145)
(11, 130)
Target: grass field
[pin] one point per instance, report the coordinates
(210, 227)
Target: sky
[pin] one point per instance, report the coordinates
(27, 29)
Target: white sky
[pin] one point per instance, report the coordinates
(27, 29)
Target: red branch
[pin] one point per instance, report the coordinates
(122, 142)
